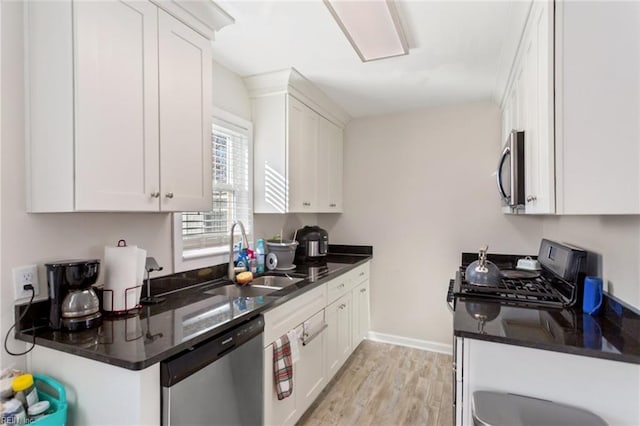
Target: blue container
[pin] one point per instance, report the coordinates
(52, 391)
(592, 295)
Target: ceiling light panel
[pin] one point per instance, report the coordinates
(371, 26)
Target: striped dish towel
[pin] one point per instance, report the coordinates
(282, 367)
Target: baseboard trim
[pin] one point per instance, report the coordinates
(425, 345)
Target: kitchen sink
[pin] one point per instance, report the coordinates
(233, 290)
(260, 286)
(277, 281)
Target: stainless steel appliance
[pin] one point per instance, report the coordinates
(510, 173)
(313, 244)
(558, 284)
(74, 303)
(218, 382)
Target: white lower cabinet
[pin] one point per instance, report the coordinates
(329, 321)
(338, 334)
(360, 313)
(309, 376)
(578, 381)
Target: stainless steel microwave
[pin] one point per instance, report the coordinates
(510, 174)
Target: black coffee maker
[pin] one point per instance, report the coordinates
(74, 303)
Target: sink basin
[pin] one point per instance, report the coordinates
(260, 286)
(233, 290)
(278, 281)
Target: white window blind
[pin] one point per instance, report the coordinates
(231, 191)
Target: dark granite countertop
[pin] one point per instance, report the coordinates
(160, 331)
(613, 335)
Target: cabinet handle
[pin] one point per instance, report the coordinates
(531, 198)
(363, 290)
(169, 195)
(341, 285)
(332, 205)
(306, 203)
(342, 306)
(307, 339)
(361, 273)
(155, 194)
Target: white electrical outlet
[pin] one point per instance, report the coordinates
(22, 276)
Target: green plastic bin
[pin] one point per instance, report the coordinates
(52, 391)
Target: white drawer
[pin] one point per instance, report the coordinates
(359, 274)
(281, 319)
(337, 287)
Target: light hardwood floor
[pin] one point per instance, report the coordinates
(385, 384)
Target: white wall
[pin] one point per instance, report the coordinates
(420, 188)
(615, 238)
(38, 238)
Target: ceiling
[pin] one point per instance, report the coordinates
(459, 51)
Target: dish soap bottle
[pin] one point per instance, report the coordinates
(260, 256)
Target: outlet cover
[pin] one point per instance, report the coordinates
(23, 275)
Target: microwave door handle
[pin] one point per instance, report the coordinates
(503, 158)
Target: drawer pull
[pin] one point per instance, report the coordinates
(361, 273)
(332, 205)
(307, 339)
(342, 306)
(341, 285)
(155, 194)
(363, 290)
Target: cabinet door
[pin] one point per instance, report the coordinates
(338, 334)
(302, 142)
(185, 117)
(360, 313)
(310, 374)
(116, 97)
(330, 167)
(277, 412)
(538, 111)
(598, 107)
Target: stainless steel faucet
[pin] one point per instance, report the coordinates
(245, 242)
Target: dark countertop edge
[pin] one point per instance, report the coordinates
(289, 294)
(139, 365)
(573, 350)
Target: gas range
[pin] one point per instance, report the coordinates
(556, 285)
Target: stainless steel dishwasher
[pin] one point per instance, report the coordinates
(218, 382)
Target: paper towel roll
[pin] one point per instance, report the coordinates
(121, 265)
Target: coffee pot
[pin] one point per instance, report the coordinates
(74, 303)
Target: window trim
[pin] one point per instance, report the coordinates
(202, 258)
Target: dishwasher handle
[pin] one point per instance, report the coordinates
(192, 360)
(307, 339)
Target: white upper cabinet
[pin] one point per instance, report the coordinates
(185, 117)
(297, 145)
(302, 151)
(330, 167)
(575, 92)
(537, 109)
(598, 107)
(118, 109)
(116, 115)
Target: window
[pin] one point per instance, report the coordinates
(202, 238)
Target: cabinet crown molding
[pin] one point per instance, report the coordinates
(291, 81)
(204, 16)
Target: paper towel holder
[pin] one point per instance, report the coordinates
(151, 265)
